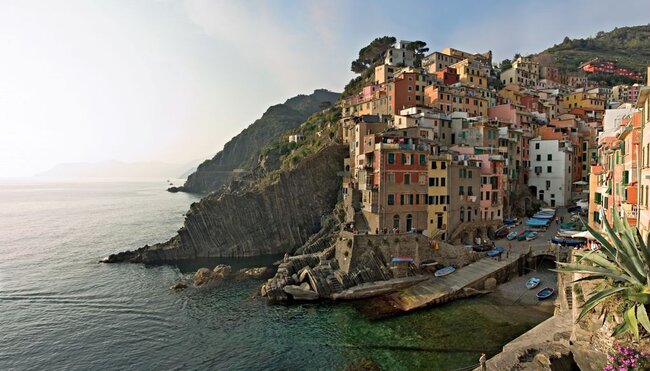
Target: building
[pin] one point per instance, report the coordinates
(550, 177)
(609, 67)
(464, 190)
(400, 55)
(439, 196)
(438, 61)
(643, 200)
(471, 72)
(393, 182)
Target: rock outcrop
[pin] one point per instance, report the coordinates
(242, 151)
(271, 218)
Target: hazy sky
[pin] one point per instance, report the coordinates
(134, 80)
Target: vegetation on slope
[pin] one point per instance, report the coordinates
(319, 130)
(630, 46)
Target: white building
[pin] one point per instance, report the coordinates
(550, 171)
(398, 55)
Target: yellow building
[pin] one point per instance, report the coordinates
(438, 203)
(643, 103)
(471, 72)
(580, 99)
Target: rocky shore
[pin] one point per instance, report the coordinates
(270, 218)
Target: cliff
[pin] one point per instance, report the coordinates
(271, 217)
(243, 151)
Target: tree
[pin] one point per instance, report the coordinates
(372, 53)
(622, 266)
(419, 48)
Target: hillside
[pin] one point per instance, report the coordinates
(630, 46)
(243, 151)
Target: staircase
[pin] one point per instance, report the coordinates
(360, 222)
(569, 296)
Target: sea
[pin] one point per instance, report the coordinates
(61, 310)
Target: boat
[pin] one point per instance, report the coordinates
(543, 216)
(444, 271)
(532, 283)
(547, 210)
(495, 252)
(545, 293)
(531, 236)
(522, 235)
(567, 233)
(402, 259)
(567, 241)
(502, 232)
(512, 235)
(482, 248)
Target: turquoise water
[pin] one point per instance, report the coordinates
(61, 310)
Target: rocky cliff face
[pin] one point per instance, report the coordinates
(270, 218)
(242, 151)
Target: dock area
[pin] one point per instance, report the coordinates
(466, 281)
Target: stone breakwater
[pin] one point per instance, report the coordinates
(270, 218)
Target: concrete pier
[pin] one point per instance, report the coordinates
(466, 281)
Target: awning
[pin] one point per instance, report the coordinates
(601, 190)
(580, 182)
(584, 234)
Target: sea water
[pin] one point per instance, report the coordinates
(59, 309)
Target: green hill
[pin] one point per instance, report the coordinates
(630, 46)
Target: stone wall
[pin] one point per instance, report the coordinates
(350, 247)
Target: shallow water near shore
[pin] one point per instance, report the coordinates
(61, 310)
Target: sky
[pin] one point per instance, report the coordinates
(173, 81)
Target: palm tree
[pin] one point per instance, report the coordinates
(623, 266)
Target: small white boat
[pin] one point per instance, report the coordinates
(531, 236)
(532, 283)
(444, 271)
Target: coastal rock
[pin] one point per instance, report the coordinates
(259, 272)
(271, 218)
(221, 271)
(490, 284)
(298, 293)
(203, 275)
(178, 286)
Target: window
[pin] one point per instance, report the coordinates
(423, 159)
(549, 169)
(539, 158)
(469, 191)
(401, 199)
(549, 157)
(469, 174)
(396, 221)
(536, 145)
(443, 165)
(391, 158)
(391, 199)
(548, 184)
(391, 178)
(442, 182)
(422, 179)
(407, 178)
(487, 195)
(434, 165)
(461, 190)
(411, 200)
